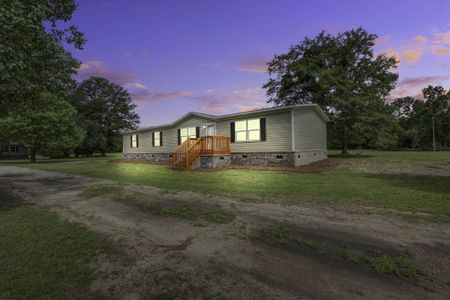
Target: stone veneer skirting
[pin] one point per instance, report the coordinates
(156, 157)
(280, 159)
(214, 162)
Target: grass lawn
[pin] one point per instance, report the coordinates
(406, 194)
(43, 257)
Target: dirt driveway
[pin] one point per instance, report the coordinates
(267, 250)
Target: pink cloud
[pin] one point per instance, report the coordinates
(420, 38)
(220, 101)
(441, 51)
(442, 37)
(138, 91)
(141, 93)
(382, 39)
(413, 86)
(413, 55)
(96, 68)
(248, 107)
(253, 64)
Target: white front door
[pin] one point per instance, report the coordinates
(210, 129)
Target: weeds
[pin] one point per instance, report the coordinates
(398, 265)
(215, 215)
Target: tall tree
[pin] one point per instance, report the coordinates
(105, 109)
(403, 109)
(32, 57)
(340, 73)
(435, 115)
(47, 124)
(36, 71)
(417, 117)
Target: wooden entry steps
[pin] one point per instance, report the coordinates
(189, 152)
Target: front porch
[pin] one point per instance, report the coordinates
(188, 154)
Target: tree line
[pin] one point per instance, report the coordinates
(342, 74)
(46, 110)
(41, 105)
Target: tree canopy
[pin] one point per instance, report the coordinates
(342, 75)
(105, 109)
(32, 57)
(418, 116)
(36, 72)
(48, 124)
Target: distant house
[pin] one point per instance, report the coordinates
(13, 150)
(286, 136)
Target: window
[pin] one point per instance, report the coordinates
(247, 130)
(134, 141)
(188, 132)
(13, 149)
(157, 138)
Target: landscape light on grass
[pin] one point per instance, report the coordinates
(224, 149)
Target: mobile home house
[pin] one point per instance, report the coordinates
(282, 136)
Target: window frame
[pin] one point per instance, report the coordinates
(192, 136)
(247, 131)
(134, 140)
(157, 138)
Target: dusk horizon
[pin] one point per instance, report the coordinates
(175, 57)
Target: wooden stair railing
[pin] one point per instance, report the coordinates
(186, 154)
(179, 154)
(193, 153)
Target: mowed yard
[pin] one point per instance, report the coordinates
(404, 182)
(368, 213)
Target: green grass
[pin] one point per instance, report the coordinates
(415, 196)
(397, 156)
(42, 257)
(284, 237)
(398, 264)
(214, 215)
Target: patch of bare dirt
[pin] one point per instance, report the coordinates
(168, 256)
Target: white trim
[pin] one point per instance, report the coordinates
(292, 130)
(206, 128)
(229, 116)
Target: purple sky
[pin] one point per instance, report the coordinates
(209, 56)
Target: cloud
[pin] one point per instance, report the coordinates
(138, 91)
(253, 64)
(96, 68)
(413, 86)
(441, 51)
(220, 101)
(442, 37)
(382, 39)
(420, 39)
(248, 107)
(141, 93)
(412, 55)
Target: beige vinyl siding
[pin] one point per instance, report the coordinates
(170, 137)
(278, 134)
(310, 131)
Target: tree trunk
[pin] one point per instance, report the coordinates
(344, 142)
(33, 155)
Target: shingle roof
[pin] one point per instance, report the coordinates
(232, 115)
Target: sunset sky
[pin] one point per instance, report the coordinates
(210, 56)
